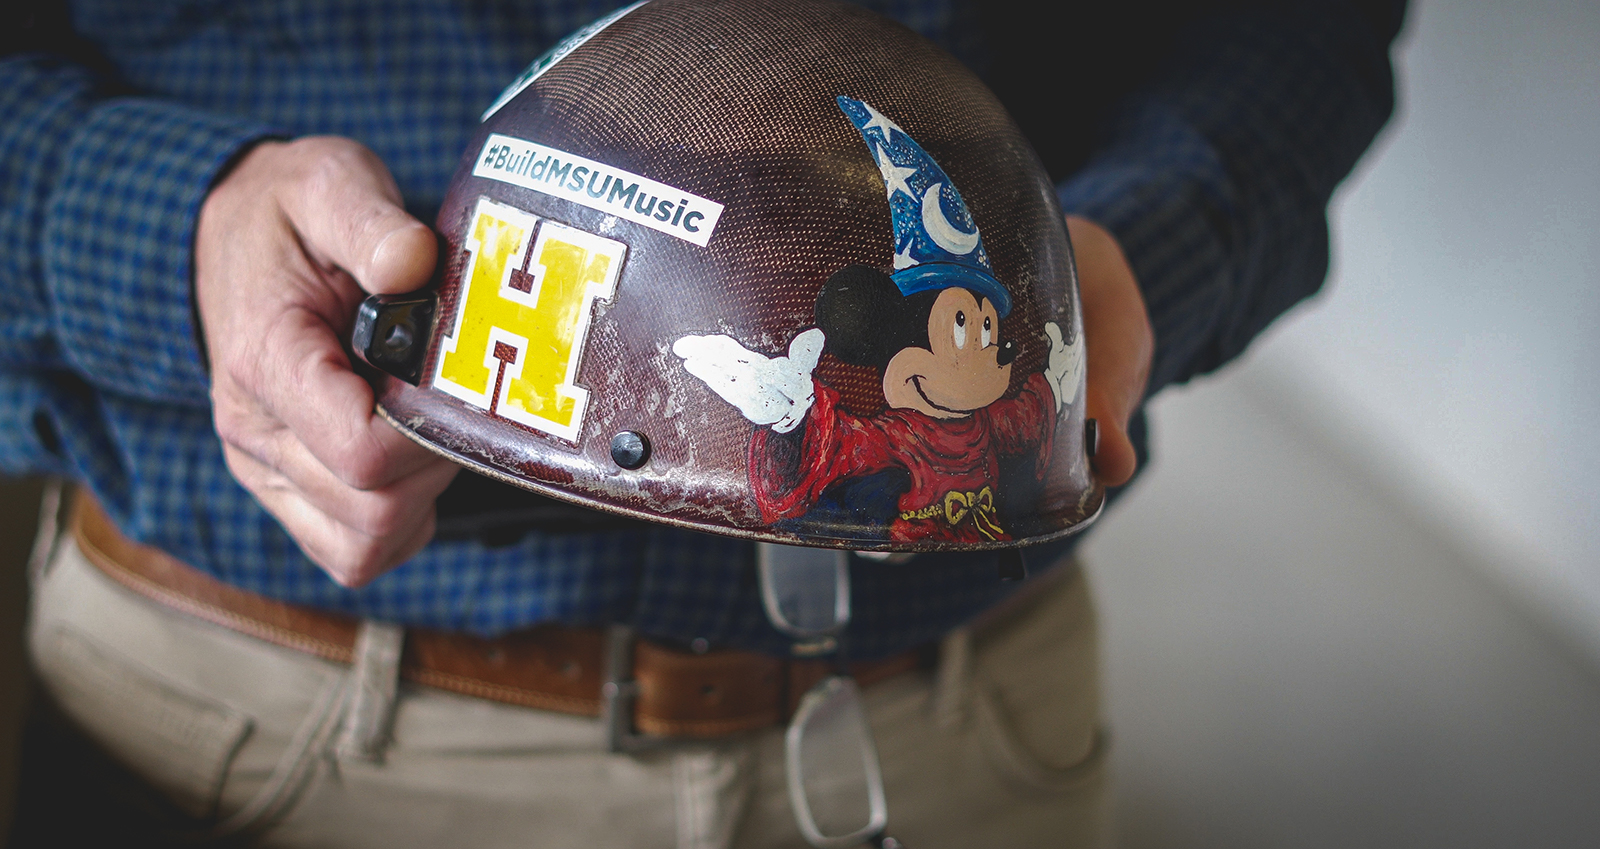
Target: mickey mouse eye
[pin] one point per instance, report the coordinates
(961, 330)
(961, 319)
(987, 332)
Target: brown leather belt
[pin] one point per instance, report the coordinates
(550, 667)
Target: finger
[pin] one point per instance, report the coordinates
(761, 406)
(305, 382)
(687, 347)
(1053, 331)
(797, 408)
(390, 511)
(722, 378)
(727, 350)
(350, 556)
(1115, 460)
(346, 207)
(805, 349)
(707, 352)
(725, 365)
(350, 559)
(1118, 345)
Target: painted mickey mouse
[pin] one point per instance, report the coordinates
(933, 329)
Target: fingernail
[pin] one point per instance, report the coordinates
(378, 252)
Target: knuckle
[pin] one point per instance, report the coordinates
(366, 563)
(360, 558)
(327, 163)
(349, 560)
(231, 427)
(243, 435)
(316, 149)
(385, 518)
(244, 472)
(360, 469)
(237, 374)
(344, 573)
(325, 173)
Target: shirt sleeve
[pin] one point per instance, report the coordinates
(1026, 424)
(789, 472)
(99, 196)
(1215, 176)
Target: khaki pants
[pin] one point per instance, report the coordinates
(997, 747)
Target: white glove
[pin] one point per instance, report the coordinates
(1064, 370)
(773, 391)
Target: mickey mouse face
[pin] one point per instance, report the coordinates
(939, 350)
(964, 368)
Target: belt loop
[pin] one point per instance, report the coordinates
(620, 693)
(374, 679)
(49, 532)
(951, 679)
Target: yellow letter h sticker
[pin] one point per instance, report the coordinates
(522, 316)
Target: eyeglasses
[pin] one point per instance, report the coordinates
(835, 781)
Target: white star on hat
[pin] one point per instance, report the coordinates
(894, 176)
(882, 124)
(902, 257)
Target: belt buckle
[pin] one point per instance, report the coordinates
(620, 693)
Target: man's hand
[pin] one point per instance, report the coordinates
(286, 243)
(1116, 329)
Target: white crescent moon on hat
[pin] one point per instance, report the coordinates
(940, 230)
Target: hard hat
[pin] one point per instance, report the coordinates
(779, 270)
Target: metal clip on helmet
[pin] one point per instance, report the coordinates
(783, 271)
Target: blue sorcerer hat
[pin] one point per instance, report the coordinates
(936, 243)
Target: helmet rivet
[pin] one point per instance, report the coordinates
(630, 449)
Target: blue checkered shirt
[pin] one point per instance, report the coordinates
(1212, 164)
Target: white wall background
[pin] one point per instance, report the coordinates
(1308, 638)
(1456, 349)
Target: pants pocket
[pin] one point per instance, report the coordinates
(180, 742)
(1036, 692)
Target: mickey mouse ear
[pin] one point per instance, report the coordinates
(861, 310)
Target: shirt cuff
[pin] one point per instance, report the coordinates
(1166, 204)
(119, 243)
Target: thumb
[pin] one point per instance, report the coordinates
(346, 208)
(805, 349)
(1118, 345)
(403, 258)
(1115, 461)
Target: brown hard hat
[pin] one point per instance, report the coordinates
(780, 270)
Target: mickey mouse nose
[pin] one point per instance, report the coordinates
(1007, 353)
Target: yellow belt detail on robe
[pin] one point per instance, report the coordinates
(958, 507)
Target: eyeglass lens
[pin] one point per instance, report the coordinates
(835, 782)
(806, 591)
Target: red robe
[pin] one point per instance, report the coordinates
(954, 463)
